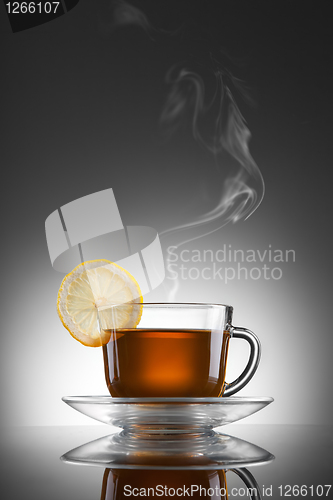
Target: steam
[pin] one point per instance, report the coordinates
(228, 141)
(238, 200)
(125, 14)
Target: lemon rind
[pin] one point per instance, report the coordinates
(66, 319)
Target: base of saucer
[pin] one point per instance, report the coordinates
(165, 416)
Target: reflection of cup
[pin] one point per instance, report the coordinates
(122, 483)
(177, 350)
(126, 483)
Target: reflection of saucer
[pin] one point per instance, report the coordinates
(203, 452)
(167, 414)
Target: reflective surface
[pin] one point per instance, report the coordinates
(173, 414)
(202, 451)
(32, 469)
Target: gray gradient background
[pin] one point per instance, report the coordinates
(80, 114)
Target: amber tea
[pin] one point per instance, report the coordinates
(166, 363)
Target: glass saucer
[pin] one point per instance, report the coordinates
(203, 452)
(167, 415)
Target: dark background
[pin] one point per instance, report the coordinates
(80, 110)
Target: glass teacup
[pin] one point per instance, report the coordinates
(176, 350)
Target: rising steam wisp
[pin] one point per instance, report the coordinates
(242, 192)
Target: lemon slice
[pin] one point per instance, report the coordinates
(96, 298)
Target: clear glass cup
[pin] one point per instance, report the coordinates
(176, 350)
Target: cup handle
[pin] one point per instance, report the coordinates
(250, 482)
(252, 365)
